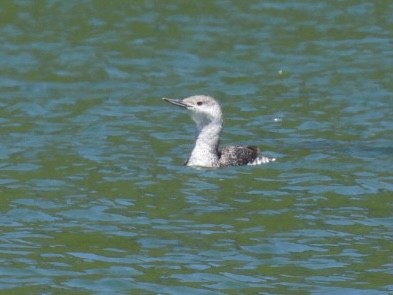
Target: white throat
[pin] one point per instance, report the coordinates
(205, 152)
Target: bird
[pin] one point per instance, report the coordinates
(207, 114)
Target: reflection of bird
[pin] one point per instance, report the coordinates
(206, 113)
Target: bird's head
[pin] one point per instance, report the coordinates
(204, 109)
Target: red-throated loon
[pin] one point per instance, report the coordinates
(207, 115)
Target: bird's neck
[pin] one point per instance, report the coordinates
(208, 137)
(205, 152)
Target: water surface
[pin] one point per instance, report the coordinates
(94, 197)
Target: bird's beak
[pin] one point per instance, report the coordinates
(176, 102)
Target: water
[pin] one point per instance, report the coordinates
(94, 197)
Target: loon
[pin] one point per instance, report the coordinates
(207, 115)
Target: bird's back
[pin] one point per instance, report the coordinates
(237, 155)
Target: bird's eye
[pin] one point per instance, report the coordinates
(199, 103)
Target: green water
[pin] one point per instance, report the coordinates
(94, 197)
